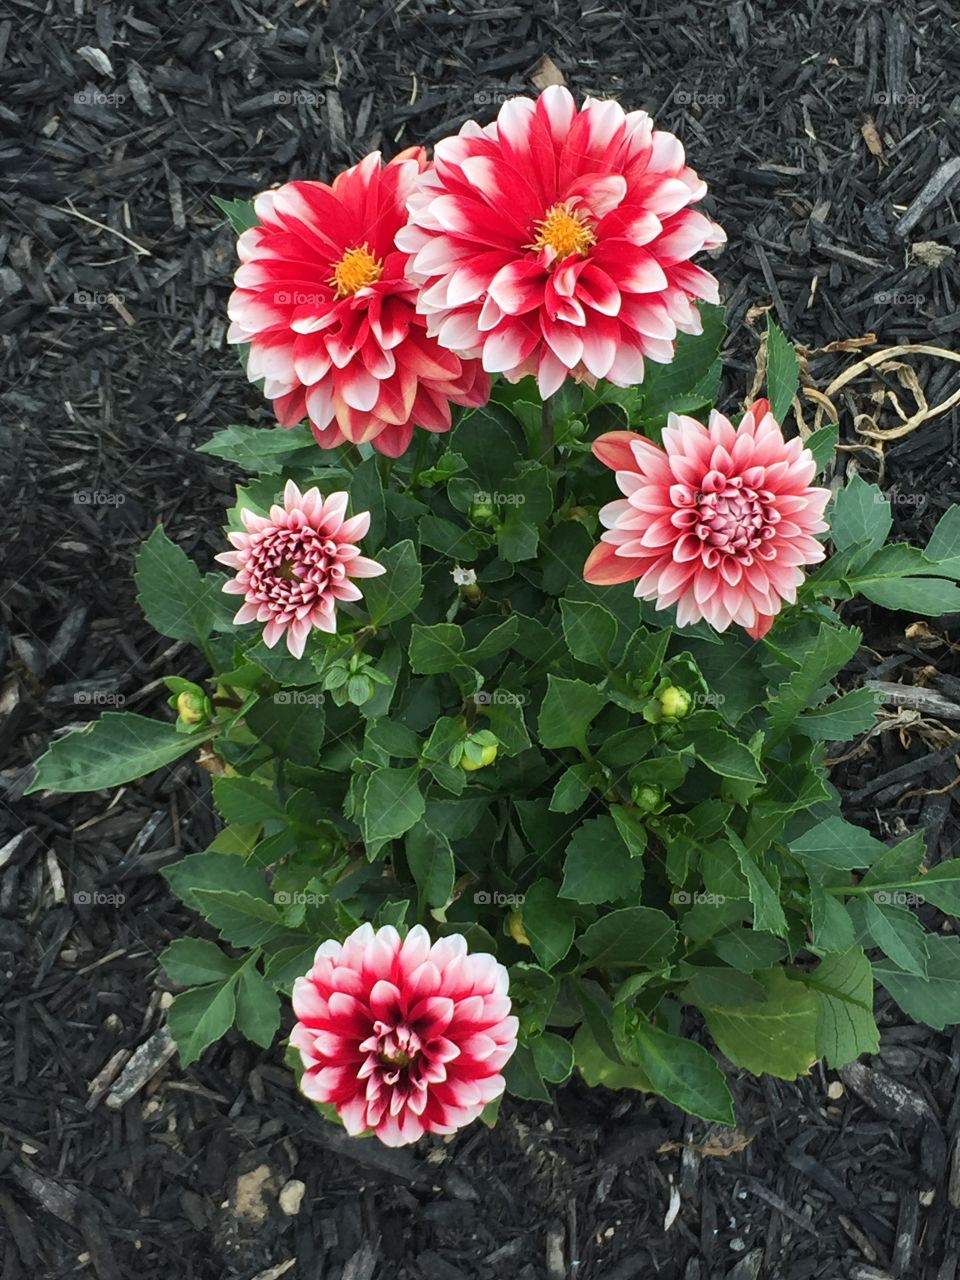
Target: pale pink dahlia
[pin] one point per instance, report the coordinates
(717, 522)
(330, 317)
(401, 1036)
(558, 241)
(295, 564)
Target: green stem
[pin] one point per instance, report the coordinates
(384, 467)
(546, 434)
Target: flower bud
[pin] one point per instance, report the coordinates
(646, 797)
(193, 708)
(487, 756)
(674, 703)
(483, 512)
(516, 929)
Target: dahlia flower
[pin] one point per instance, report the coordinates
(295, 564)
(322, 300)
(717, 522)
(558, 240)
(401, 1036)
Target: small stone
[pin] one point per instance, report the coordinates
(291, 1197)
(835, 1089)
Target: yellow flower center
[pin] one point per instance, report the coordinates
(355, 270)
(564, 232)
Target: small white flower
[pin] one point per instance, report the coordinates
(463, 577)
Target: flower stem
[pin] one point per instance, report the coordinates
(546, 434)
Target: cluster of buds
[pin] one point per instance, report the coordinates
(353, 679)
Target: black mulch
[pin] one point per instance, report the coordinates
(829, 135)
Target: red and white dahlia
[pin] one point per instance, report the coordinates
(717, 522)
(295, 564)
(403, 1037)
(558, 241)
(330, 317)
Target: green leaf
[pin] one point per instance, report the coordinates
(597, 1067)
(523, 1076)
(636, 936)
(632, 831)
(843, 985)
(726, 755)
(504, 714)
(859, 519)
(841, 719)
(833, 648)
(517, 539)
(898, 934)
(935, 999)
(931, 597)
(189, 961)
(176, 599)
(240, 213)
(264, 450)
(245, 800)
(748, 949)
(767, 911)
(573, 789)
(491, 442)
(119, 747)
(944, 545)
(548, 922)
(393, 738)
(553, 1056)
(437, 648)
(431, 864)
(686, 383)
(396, 593)
(392, 804)
(777, 1036)
(199, 1017)
(242, 918)
(783, 372)
(837, 843)
(683, 1072)
(822, 443)
(567, 709)
(590, 631)
(258, 1007)
(211, 870)
(292, 723)
(598, 866)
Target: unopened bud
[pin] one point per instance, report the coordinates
(675, 703)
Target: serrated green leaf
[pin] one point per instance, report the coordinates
(935, 999)
(548, 922)
(727, 755)
(590, 631)
(553, 1056)
(634, 936)
(392, 804)
(683, 1072)
(117, 748)
(783, 372)
(258, 1007)
(837, 843)
(523, 1076)
(192, 961)
(777, 1036)
(598, 866)
(566, 712)
(244, 919)
(860, 518)
(266, 450)
(199, 1017)
(843, 984)
(431, 864)
(840, 719)
(396, 593)
(240, 213)
(175, 597)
